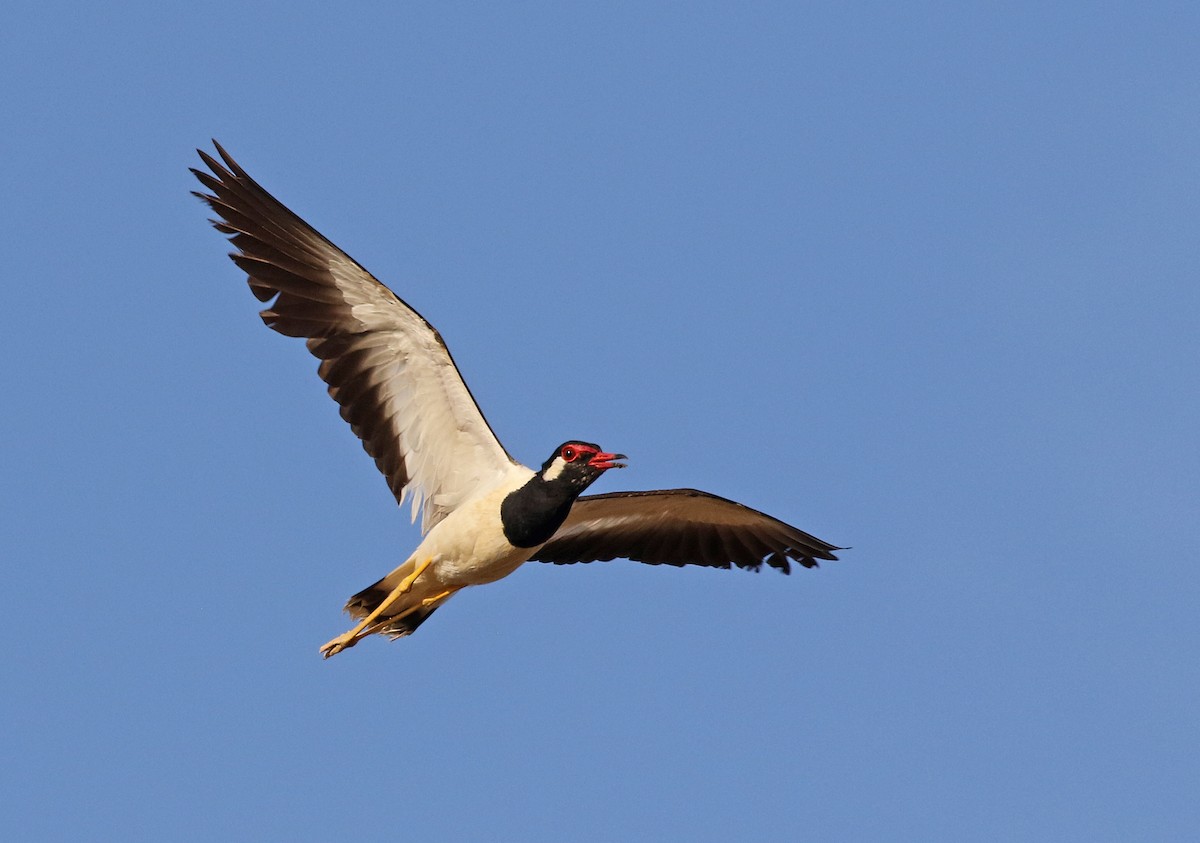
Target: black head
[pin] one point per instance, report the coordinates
(578, 464)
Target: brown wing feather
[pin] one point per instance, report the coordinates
(387, 367)
(679, 527)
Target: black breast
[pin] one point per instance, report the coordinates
(533, 513)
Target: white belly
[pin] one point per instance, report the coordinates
(468, 547)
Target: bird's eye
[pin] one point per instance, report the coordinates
(569, 454)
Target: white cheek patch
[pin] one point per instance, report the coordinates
(556, 468)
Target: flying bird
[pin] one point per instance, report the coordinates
(483, 514)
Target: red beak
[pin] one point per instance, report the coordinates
(605, 461)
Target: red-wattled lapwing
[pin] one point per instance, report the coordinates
(482, 513)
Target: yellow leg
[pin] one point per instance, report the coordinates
(349, 639)
(385, 622)
(430, 601)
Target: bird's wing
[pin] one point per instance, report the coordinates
(679, 527)
(387, 367)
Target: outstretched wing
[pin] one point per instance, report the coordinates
(385, 365)
(679, 527)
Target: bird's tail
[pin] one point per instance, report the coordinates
(405, 615)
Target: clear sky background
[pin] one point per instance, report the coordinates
(918, 278)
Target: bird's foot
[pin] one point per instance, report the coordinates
(343, 642)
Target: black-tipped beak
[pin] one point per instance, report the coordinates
(605, 461)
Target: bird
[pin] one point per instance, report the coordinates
(483, 514)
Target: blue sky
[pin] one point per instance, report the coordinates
(919, 279)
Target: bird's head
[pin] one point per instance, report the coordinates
(579, 463)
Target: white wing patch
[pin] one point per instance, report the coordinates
(387, 368)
